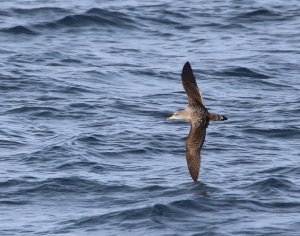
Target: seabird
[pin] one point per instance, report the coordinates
(199, 118)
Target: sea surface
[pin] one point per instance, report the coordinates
(85, 90)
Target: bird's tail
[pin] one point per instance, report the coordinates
(217, 117)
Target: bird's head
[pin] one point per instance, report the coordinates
(179, 115)
(175, 116)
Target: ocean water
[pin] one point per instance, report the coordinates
(86, 87)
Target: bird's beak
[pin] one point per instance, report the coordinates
(170, 118)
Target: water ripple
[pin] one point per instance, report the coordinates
(86, 89)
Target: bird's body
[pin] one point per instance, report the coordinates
(199, 118)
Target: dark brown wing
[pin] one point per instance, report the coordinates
(190, 85)
(194, 143)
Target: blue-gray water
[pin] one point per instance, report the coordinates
(85, 90)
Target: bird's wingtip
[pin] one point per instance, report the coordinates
(187, 64)
(186, 68)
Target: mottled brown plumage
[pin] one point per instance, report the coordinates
(199, 118)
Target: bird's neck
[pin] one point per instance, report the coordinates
(183, 115)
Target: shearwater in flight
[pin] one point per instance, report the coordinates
(199, 118)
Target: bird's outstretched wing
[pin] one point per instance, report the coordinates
(190, 85)
(194, 143)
